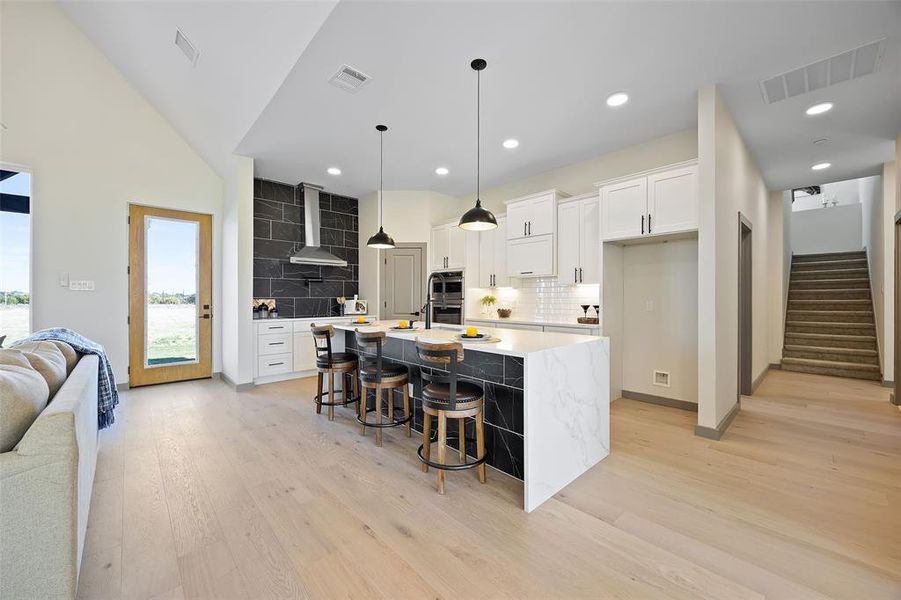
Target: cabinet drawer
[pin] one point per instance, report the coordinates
(273, 343)
(275, 327)
(275, 364)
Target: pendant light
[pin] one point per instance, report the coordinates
(478, 218)
(381, 240)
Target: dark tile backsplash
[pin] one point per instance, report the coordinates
(278, 232)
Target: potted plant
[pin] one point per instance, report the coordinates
(487, 302)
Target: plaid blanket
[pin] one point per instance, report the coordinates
(107, 396)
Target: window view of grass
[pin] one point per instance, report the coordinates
(14, 316)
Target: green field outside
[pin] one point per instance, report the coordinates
(14, 322)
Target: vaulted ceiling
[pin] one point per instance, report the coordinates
(261, 85)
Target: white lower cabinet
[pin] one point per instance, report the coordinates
(304, 351)
(284, 348)
(531, 257)
(274, 364)
(273, 343)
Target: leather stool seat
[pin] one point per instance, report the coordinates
(338, 359)
(439, 393)
(369, 374)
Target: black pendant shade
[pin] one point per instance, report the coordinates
(381, 240)
(478, 218)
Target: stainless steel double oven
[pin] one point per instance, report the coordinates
(447, 297)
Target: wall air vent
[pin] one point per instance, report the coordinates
(187, 48)
(661, 378)
(852, 64)
(349, 79)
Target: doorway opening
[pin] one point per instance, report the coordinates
(745, 278)
(402, 276)
(170, 295)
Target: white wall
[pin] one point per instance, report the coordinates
(890, 206)
(832, 229)
(660, 318)
(777, 285)
(93, 145)
(237, 272)
(729, 183)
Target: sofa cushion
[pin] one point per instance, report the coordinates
(68, 353)
(23, 395)
(46, 359)
(11, 356)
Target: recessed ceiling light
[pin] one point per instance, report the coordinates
(818, 109)
(617, 99)
(334, 171)
(821, 166)
(511, 143)
(441, 171)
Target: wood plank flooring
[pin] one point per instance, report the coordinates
(202, 492)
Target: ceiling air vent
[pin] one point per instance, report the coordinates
(350, 79)
(852, 64)
(185, 45)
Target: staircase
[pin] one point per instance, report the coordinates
(829, 328)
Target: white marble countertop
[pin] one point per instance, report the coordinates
(536, 322)
(513, 342)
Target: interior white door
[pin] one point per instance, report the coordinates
(623, 209)
(568, 254)
(456, 247)
(500, 254)
(673, 200)
(402, 283)
(531, 256)
(438, 246)
(518, 215)
(589, 241)
(543, 217)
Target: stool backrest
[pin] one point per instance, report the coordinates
(447, 354)
(322, 339)
(368, 339)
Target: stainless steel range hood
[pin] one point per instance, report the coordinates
(311, 253)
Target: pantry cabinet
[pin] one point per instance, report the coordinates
(447, 247)
(659, 202)
(493, 256)
(578, 240)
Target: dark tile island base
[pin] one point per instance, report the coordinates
(501, 376)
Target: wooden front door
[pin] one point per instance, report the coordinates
(170, 295)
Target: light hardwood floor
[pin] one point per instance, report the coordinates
(205, 493)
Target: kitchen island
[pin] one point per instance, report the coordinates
(547, 405)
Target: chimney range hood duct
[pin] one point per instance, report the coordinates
(311, 253)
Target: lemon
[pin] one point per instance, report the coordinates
(361, 319)
(472, 331)
(403, 324)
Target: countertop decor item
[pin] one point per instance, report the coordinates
(504, 313)
(487, 301)
(478, 218)
(588, 320)
(381, 240)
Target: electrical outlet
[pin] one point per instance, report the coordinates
(649, 305)
(63, 279)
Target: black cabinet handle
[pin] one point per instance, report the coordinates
(575, 275)
(649, 223)
(530, 228)
(524, 228)
(276, 364)
(525, 272)
(279, 327)
(580, 274)
(276, 343)
(642, 224)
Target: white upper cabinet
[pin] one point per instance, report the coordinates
(533, 215)
(662, 201)
(493, 256)
(673, 200)
(624, 209)
(447, 247)
(531, 257)
(578, 242)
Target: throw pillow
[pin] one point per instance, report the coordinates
(69, 354)
(23, 395)
(46, 359)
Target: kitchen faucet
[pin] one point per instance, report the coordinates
(427, 307)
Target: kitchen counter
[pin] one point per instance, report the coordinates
(547, 400)
(498, 322)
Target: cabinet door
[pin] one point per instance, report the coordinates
(568, 227)
(304, 351)
(438, 245)
(531, 257)
(673, 200)
(623, 206)
(589, 241)
(487, 243)
(517, 216)
(500, 254)
(544, 216)
(456, 247)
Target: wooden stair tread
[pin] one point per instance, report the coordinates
(836, 336)
(832, 350)
(852, 366)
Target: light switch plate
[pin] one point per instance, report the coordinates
(81, 285)
(649, 305)
(64, 279)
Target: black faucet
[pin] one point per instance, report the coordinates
(427, 307)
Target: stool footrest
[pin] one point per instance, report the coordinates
(450, 467)
(344, 402)
(390, 423)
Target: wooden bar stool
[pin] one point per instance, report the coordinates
(446, 397)
(381, 375)
(329, 363)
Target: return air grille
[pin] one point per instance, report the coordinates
(185, 45)
(852, 64)
(349, 79)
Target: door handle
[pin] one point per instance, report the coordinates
(649, 223)
(415, 314)
(642, 224)
(580, 274)
(204, 316)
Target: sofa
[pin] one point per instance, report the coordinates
(47, 476)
